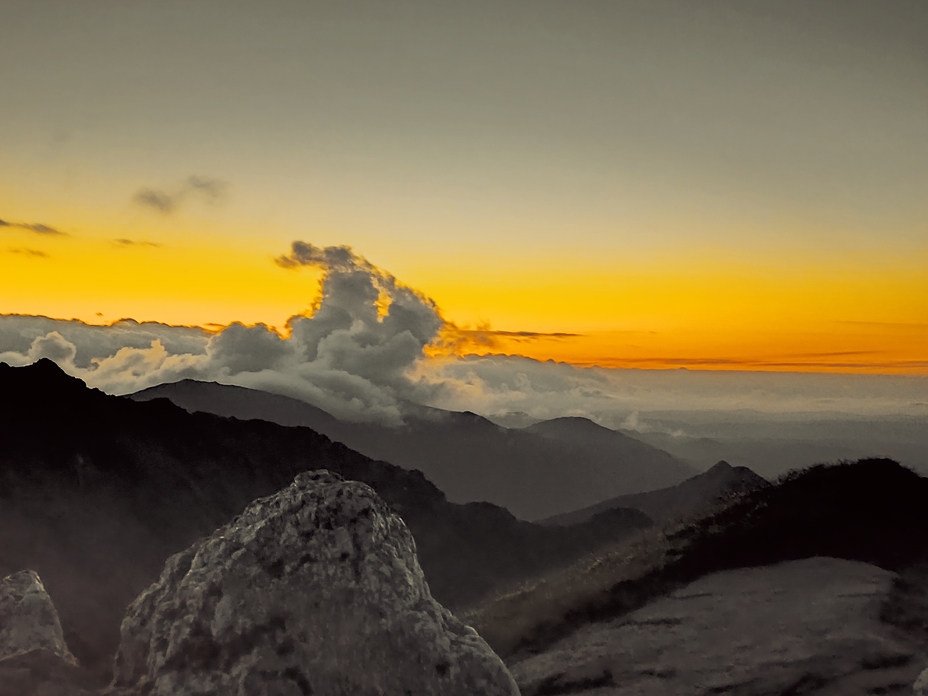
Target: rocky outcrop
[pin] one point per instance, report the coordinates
(314, 590)
(42, 673)
(921, 684)
(810, 626)
(28, 620)
(34, 659)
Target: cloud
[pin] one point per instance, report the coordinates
(36, 227)
(498, 384)
(123, 242)
(371, 345)
(158, 200)
(460, 341)
(207, 189)
(33, 253)
(353, 356)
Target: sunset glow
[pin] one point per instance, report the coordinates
(625, 188)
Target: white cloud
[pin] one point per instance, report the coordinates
(361, 356)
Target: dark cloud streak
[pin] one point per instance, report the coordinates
(123, 242)
(34, 253)
(207, 189)
(36, 227)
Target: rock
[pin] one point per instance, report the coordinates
(811, 626)
(34, 659)
(42, 673)
(921, 684)
(28, 620)
(314, 590)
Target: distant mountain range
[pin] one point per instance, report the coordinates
(97, 491)
(549, 468)
(691, 498)
(772, 444)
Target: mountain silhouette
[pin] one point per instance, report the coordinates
(535, 472)
(872, 510)
(693, 496)
(97, 491)
(643, 466)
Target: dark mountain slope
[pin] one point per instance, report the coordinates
(694, 496)
(872, 510)
(642, 465)
(240, 402)
(533, 473)
(97, 491)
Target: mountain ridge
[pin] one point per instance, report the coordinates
(90, 481)
(467, 456)
(686, 499)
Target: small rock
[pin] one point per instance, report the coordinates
(921, 684)
(314, 590)
(42, 673)
(28, 619)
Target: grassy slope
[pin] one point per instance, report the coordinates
(871, 510)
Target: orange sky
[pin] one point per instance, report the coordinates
(852, 317)
(706, 185)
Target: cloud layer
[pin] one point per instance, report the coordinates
(371, 345)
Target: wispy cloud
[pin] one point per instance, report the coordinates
(461, 341)
(123, 242)
(34, 253)
(866, 360)
(166, 201)
(36, 227)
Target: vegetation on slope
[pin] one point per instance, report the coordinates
(872, 510)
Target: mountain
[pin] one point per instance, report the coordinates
(772, 444)
(97, 491)
(809, 626)
(242, 403)
(642, 465)
(693, 496)
(874, 511)
(536, 472)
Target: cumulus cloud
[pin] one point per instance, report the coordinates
(371, 345)
(353, 356)
(36, 227)
(207, 189)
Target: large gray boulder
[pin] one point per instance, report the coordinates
(28, 619)
(314, 590)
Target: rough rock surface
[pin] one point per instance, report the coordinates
(314, 590)
(28, 620)
(811, 627)
(34, 658)
(42, 673)
(921, 684)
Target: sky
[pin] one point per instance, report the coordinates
(721, 185)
